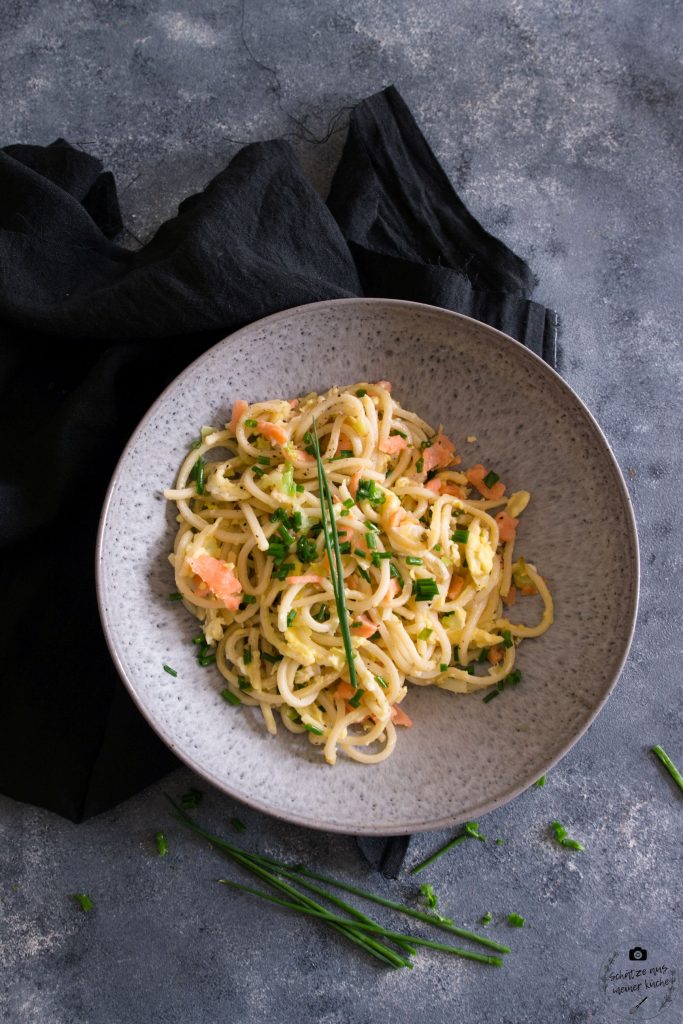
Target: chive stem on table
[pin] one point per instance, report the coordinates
(471, 832)
(669, 765)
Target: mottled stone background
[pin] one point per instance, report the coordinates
(560, 124)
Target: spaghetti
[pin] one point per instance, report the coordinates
(427, 564)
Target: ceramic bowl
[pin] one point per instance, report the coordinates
(462, 757)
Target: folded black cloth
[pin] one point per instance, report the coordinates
(91, 332)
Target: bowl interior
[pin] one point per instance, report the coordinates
(462, 757)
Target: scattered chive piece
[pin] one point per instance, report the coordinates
(175, 596)
(238, 825)
(381, 681)
(162, 844)
(668, 764)
(272, 659)
(306, 550)
(263, 460)
(349, 503)
(195, 444)
(299, 488)
(311, 728)
(471, 831)
(491, 478)
(322, 614)
(364, 573)
(425, 633)
(375, 636)
(371, 541)
(437, 547)
(395, 574)
(487, 918)
(361, 393)
(230, 697)
(371, 526)
(297, 520)
(490, 696)
(563, 839)
(419, 465)
(345, 547)
(499, 842)
(285, 534)
(250, 423)
(344, 512)
(540, 782)
(248, 599)
(460, 536)
(83, 900)
(243, 683)
(483, 654)
(207, 660)
(197, 474)
(360, 552)
(430, 896)
(381, 555)
(171, 671)
(413, 560)
(398, 433)
(258, 472)
(507, 638)
(198, 639)
(425, 589)
(191, 799)
(246, 655)
(516, 920)
(291, 616)
(355, 700)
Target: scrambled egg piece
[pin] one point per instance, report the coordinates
(479, 554)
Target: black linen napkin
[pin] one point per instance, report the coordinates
(91, 332)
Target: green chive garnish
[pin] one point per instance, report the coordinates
(563, 839)
(425, 589)
(248, 599)
(361, 393)
(430, 896)
(345, 547)
(419, 465)
(487, 918)
(471, 831)
(175, 596)
(250, 423)
(191, 799)
(669, 765)
(491, 478)
(460, 536)
(516, 920)
(311, 728)
(230, 697)
(322, 614)
(507, 638)
(285, 534)
(162, 844)
(381, 681)
(355, 700)
(171, 671)
(364, 573)
(243, 683)
(306, 550)
(424, 634)
(299, 488)
(291, 616)
(83, 900)
(349, 503)
(334, 559)
(199, 639)
(238, 825)
(413, 560)
(197, 474)
(442, 667)
(264, 460)
(272, 659)
(246, 655)
(540, 782)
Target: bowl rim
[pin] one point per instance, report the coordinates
(435, 824)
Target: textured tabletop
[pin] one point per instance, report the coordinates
(559, 123)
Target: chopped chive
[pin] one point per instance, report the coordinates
(230, 697)
(243, 683)
(360, 553)
(355, 700)
(668, 764)
(425, 589)
(371, 541)
(516, 920)
(427, 444)
(375, 558)
(284, 571)
(297, 517)
(364, 573)
(483, 654)
(171, 671)
(285, 534)
(361, 393)
(207, 660)
(250, 423)
(442, 667)
(371, 526)
(278, 514)
(306, 550)
(291, 616)
(540, 782)
(563, 839)
(460, 536)
(238, 825)
(382, 682)
(344, 512)
(470, 831)
(272, 659)
(425, 633)
(197, 474)
(430, 896)
(384, 554)
(83, 900)
(299, 488)
(263, 460)
(398, 433)
(413, 560)
(491, 478)
(195, 444)
(311, 728)
(175, 596)
(248, 599)
(191, 799)
(162, 844)
(322, 614)
(258, 472)
(507, 638)
(419, 465)
(490, 696)
(349, 503)
(395, 574)
(375, 636)
(246, 655)
(437, 547)
(487, 918)
(345, 547)
(199, 639)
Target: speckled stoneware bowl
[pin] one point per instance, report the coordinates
(462, 757)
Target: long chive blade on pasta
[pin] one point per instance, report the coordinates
(336, 568)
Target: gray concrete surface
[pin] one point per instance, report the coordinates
(560, 123)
